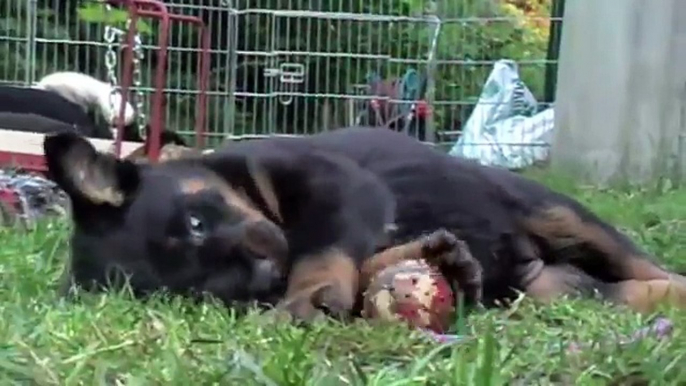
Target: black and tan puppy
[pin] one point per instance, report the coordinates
(292, 219)
(222, 224)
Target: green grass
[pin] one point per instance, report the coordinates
(112, 339)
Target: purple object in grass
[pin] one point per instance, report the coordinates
(660, 328)
(443, 338)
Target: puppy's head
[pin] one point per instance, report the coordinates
(175, 226)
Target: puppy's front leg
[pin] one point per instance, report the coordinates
(322, 283)
(441, 249)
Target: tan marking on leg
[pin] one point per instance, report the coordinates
(561, 226)
(646, 296)
(641, 296)
(530, 263)
(389, 257)
(551, 283)
(327, 280)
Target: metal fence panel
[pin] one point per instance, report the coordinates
(338, 45)
(182, 86)
(14, 43)
(300, 66)
(308, 72)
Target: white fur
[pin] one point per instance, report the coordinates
(87, 92)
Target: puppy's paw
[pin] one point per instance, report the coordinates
(318, 302)
(299, 310)
(333, 301)
(437, 245)
(277, 316)
(455, 261)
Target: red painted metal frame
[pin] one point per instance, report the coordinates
(28, 162)
(142, 8)
(136, 8)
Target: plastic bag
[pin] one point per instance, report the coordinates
(503, 130)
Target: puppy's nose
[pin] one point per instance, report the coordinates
(266, 274)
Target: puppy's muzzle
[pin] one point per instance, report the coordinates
(266, 274)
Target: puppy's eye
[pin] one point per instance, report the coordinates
(196, 226)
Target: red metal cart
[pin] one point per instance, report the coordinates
(25, 150)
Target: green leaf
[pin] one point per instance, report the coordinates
(98, 14)
(416, 5)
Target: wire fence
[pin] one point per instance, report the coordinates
(302, 66)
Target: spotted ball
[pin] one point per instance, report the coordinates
(413, 292)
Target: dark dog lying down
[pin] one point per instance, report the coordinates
(36, 110)
(22, 100)
(34, 122)
(40, 124)
(291, 220)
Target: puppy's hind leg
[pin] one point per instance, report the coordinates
(646, 296)
(556, 280)
(602, 250)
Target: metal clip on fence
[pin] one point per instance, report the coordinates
(289, 76)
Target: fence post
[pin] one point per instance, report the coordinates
(553, 53)
(29, 60)
(231, 65)
(621, 73)
(680, 167)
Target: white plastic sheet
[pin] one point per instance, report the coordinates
(503, 129)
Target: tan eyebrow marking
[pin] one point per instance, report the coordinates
(231, 196)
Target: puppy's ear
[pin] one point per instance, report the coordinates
(265, 187)
(265, 239)
(87, 176)
(256, 179)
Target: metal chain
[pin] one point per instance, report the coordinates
(138, 57)
(112, 35)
